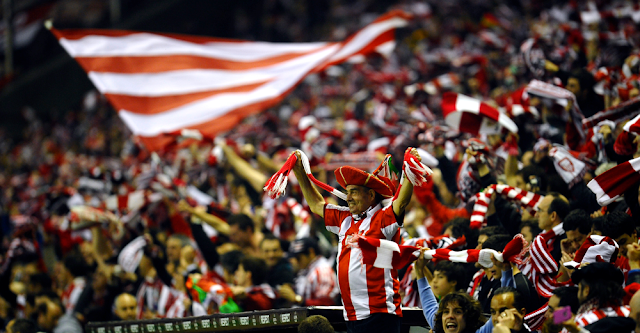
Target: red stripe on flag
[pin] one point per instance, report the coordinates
(159, 104)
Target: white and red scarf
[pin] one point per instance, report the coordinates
(588, 317)
(473, 116)
(527, 200)
(612, 184)
(546, 90)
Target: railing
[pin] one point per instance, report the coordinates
(282, 320)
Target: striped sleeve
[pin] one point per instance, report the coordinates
(333, 217)
(390, 223)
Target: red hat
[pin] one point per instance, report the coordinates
(348, 175)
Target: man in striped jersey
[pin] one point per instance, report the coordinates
(369, 294)
(315, 283)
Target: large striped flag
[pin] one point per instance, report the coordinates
(161, 84)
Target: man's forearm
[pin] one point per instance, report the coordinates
(310, 193)
(404, 197)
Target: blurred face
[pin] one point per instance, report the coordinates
(49, 320)
(544, 220)
(526, 232)
(359, 198)
(304, 259)
(573, 85)
(500, 303)
(126, 307)
(493, 272)
(583, 292)
(239, 237)
(554, 303)
(575, 239)
(453, 318)
(174, 246)
(624, 240)
(242, 278)
(271, 251)
(481, 240)
(441, 285)
(520, 182)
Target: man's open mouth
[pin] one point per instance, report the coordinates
(451, 326)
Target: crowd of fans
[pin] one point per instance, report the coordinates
(96, 228)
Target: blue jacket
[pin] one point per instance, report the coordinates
(430, 303)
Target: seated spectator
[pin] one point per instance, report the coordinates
(280, 270)
(315, 279)
(250, 290)
(577, 226)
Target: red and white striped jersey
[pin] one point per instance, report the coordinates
(591, 316)
(364, 289)
(317, 283)
(148, 296)
(540, 267)
(72, 293)
(410, 288)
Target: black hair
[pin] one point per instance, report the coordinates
(518, 299)
(454, 272)
(568, 297)
(558, 205)
(231, 260)
(616, 224)
(578, 219)
(75, 263)
(41, 279)
(496, 242)
(257, 267)
(533, 227)
(493, 230)
(315, 324)
(606, 292)
(22, 325)
(534, 175)
(243, 221)
(459, 227)
(472, 311)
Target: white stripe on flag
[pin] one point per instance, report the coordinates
(148, 44)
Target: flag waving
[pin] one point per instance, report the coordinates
(161, 83)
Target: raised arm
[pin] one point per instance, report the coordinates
(244, 169)
(212, 220)
(311, 194)
(404, 197)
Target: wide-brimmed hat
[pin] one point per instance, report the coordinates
(348, 175)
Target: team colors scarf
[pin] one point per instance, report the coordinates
(415, 171)
(439, 242)
(546, 90)
(204, 291)
(383, 253)
(612, 184)
(568, 167)
(589, 314)
(595, 248)
(624, 144)
(387, 254)
(527, 200)
(617, 113)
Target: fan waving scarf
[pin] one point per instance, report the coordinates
(162, 83)
(470, 115)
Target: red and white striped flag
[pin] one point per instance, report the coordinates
(163, 83)
(611, 184)
(473, 116)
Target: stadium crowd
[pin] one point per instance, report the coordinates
(96, 228)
